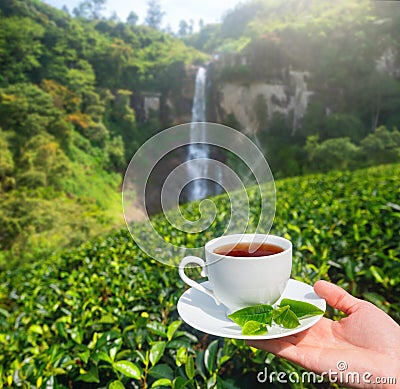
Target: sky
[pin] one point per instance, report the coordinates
(210, 11)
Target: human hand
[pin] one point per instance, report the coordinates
(367, 340)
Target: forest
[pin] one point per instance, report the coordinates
(68, 129)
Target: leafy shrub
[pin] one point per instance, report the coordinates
(382, 146)
(104, 314)
(336, 153)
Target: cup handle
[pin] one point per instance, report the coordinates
(198, 261)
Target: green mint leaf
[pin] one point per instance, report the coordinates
(285, 317)
(301, 308)
(259, 313)
(254, 328)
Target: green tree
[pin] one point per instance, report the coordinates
(27, 111)
(190, 26)
(235, 21)
(132, 18)
(98, 7)
(154, 14)
(332, 154)
(313, 121)
(382, 146)
(312, 146)
(207, 39)
(43, 163)
(340, 125)
(282, 148)
(122, 122)
(116, 152)
(114, 18)
(6, 162)
(81, 77)
(183, 28)
(90, 9)
(20, 49)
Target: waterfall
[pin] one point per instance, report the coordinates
(199, 188)
(199, 101)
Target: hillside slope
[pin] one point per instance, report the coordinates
(68, 127)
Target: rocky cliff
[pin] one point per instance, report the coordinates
(240, 99)
(289, 97)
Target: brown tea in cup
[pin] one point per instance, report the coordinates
(248, 250)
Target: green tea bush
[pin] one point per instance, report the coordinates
(104, 315)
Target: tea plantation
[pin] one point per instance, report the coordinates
(104, 315)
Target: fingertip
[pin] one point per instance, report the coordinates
(335, 296)
(321, 287)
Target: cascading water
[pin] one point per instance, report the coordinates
(199, 188)
(199, 101)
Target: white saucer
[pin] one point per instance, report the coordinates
(201, 312)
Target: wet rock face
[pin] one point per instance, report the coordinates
(290, 98)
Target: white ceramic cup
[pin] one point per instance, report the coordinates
(238, 282)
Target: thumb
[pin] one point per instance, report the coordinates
(336, 297)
